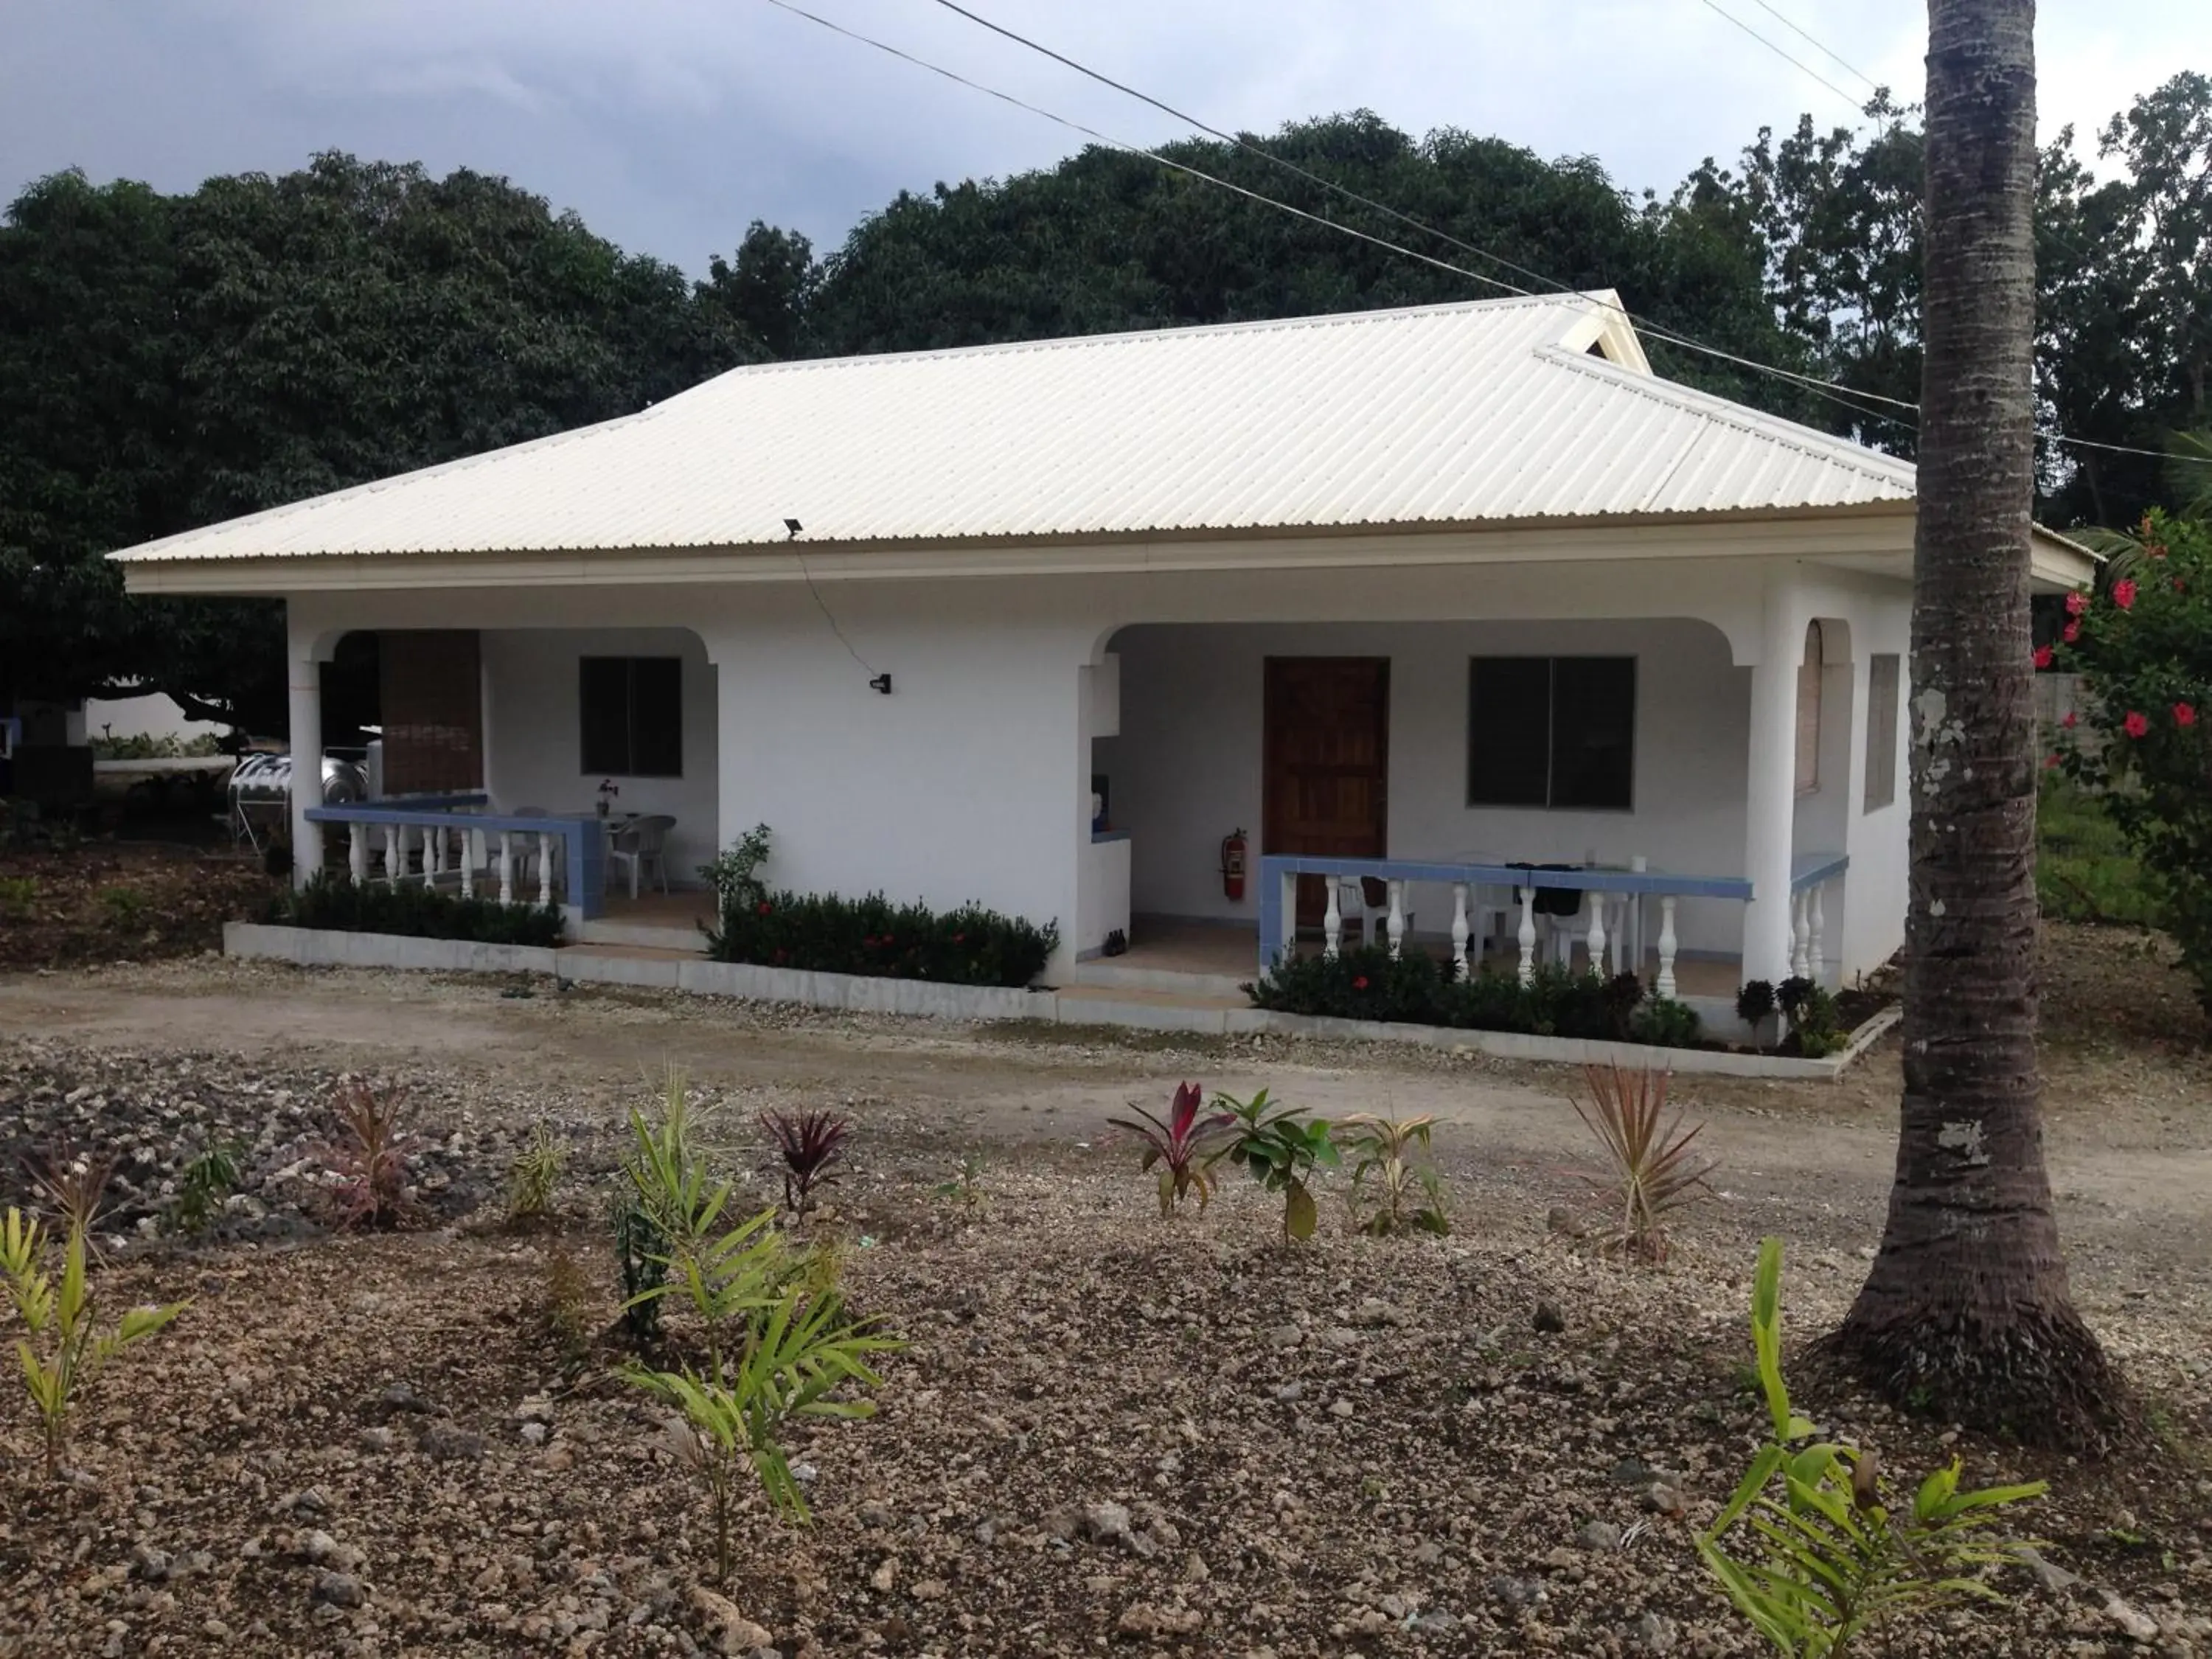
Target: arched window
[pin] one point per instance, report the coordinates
(1808, 714)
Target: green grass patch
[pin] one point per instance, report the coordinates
(2084, 871)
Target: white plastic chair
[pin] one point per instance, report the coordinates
(639, 842)
(1368, 898)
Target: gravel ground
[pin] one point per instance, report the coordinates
(1107, 1432)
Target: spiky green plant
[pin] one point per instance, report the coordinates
(1826, 1552)
(63, 1350)
(1652, 1173)
(535, 1177)
(1395, 1153)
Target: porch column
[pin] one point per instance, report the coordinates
(304, 678)
(1771, 789)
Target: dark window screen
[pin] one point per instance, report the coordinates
(632, 716)
(1556, 732)
(1593, 731)
(1508, 723)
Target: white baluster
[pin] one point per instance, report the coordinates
(1665, 985)
(433, 853)
(1394, 924)
(544, 868)
(506, 867)
(1528, 937)
(1596, 931)
(1332, 921)
(357, 852)
(1816, 953)
(1459, 929)
(1801, 935)
(471, 848)
(392, 858)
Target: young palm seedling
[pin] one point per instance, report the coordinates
(1181, 1147)
(63, 1348)
(207, 1180)
(806, 1145)
(779, 1343)
(1281, 1149)
(1395, 1154)
(1826, 1548)
(1652, 1174)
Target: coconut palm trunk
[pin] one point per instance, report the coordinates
(1967, 1313)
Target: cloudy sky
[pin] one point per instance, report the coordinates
(669, 123)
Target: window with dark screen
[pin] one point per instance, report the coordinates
(632, 716)
(1551, 731)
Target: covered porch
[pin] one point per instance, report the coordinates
(1623, 794)
(528, 765)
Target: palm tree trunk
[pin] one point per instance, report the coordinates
(1967, 1313)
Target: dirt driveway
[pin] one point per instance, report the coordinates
(2129, 1095)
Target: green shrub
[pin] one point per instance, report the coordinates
(1281, 1149)
(822, 933)
(1417, 989)
(2084, 871)
(413, 910)
(16, 893)
(2145, 648)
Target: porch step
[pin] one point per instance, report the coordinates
(658, 936)
(1110, 974)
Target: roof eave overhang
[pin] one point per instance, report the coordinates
(1866, 529)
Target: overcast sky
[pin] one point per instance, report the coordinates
(669, 123)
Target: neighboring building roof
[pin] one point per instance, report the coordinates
(1494, 412)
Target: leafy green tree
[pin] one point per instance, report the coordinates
(169, 361)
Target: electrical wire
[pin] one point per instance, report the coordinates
(1843, 396)
(1715, 7)
(1818, 46)
(823, 605)
(1840, 395)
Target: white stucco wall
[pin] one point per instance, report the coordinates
(1188, 764)
(534, 738)
(972, 780)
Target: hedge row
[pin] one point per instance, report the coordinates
(822, 933)
(1417, 989)
(414, 910)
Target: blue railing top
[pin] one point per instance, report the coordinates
(1510, 875)
(1811, 869)
(435, 811)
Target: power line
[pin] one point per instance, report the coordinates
(1841, 396)
(1715, 7)
(1825, 51)
(1822, 388)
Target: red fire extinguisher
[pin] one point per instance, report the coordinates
(1232, 865)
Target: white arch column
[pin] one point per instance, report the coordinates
(1770, 784)
(305, 650)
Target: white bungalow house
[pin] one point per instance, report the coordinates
(1419, 595)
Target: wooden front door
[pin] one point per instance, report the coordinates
(1326, 787)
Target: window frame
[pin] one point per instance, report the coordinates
(1882, 729)
(1552, 661)
(631, 755)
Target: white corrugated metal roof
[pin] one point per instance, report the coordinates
(1443, 415)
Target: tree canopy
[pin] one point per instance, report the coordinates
(169, 361)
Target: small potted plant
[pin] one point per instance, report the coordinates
(607, 794)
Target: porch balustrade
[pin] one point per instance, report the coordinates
(1621, 893)
(459, 839)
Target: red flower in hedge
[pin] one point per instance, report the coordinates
(2050, 763)
(2076, 603)
(960, 939)
(2156, 549)
(2124, 593)
(2184, 715)
(889, 941)
(2135, 725)
(2073, 632)
(2043, 656)
(1360, 983)
(2068, 722)
(869, 941)
(765, 907)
